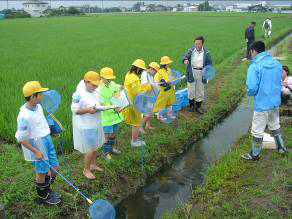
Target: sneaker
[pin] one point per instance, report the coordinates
(107, 156)
(282, 151)
(137, 143)
(248, 156)
(51, 200)
(116, 151)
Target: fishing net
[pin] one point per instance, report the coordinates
(144, 103)
(101, 209)
(175, 77)
(208, 72)
(51, 101)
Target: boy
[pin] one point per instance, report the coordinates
(110, 119)
(33, 133)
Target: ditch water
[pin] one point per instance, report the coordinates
(173, 186)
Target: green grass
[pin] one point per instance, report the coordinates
(58, 51)
(123, 175)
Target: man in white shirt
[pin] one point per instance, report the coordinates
(196, 59)
(267, 27)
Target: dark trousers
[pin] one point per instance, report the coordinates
(248, 44)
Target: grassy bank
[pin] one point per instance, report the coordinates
(234, 188)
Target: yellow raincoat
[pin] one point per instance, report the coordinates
(165, 98)
(134, 87)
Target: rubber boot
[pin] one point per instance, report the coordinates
(43, 191)
(50, 180)
(106, 151)
(255, 152)
(192, 105)
(279, 141)
(198, 108)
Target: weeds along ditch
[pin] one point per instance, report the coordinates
(123, 175)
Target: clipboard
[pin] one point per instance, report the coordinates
(121, 100)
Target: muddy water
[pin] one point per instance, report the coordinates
(173, 186)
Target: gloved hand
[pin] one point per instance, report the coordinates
(164, 84)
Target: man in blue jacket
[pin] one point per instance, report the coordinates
(264, 84)
(196, 59)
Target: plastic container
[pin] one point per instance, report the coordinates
(144, 103)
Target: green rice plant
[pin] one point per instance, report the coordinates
(58, 51)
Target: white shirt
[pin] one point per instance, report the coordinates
(197, 58)
(31, 123)
(269, 22)
(148, 78)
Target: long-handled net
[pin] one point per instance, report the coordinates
(99, 209)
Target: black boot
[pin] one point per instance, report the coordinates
(50, 180)
(44, 195)
(192, 105)
(198, 108)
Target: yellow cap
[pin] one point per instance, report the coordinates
(139, 63)
(165, 60)
(32, 87)
(92, 77)
(107, 73)
(154, 65)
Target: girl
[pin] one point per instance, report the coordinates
(166, 97)
(134, 87)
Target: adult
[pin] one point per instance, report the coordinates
(196, 58)
(267, 27)
(263, 82)
(286, 85)
(249, 38)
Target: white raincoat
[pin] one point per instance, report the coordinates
(87, 130)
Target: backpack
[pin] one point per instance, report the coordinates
(266, 25)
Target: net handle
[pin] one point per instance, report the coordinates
(69, 183)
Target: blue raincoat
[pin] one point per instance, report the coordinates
(264, 82)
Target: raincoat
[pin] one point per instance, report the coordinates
(263, 82)
(87, 130)
(165, 98)
(106, 91)
(134, 87)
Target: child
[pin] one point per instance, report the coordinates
(110, 119)
(87, 130)
(286, 85)
(166, 97)
(148, 77)
(33, 133)
(134, 87)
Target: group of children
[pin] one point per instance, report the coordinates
(95, 119)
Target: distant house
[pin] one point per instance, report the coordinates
(191, 8)
(258, 8)
(35, 8)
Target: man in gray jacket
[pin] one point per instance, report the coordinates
(196, 59)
